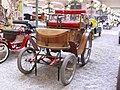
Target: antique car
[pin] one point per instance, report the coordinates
(63, 44)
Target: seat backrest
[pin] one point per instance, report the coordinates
(19, 38)
(52, 37)
(20, 22)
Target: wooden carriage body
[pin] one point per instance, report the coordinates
(53, 38)
(58, 38)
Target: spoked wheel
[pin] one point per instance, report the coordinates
(4, 52)
(87, 51)
(26, 60)
(68, 69)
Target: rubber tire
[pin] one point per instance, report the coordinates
(93, 35)
(1, 61)
(19, 60)
(63, 67)
(99, 33)
(118, 79)
(119, 40)
(83, 60)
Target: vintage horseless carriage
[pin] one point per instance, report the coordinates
(15, 39)
(62, 47)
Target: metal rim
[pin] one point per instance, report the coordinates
(68, 69)
(27, 60)
(87, 51)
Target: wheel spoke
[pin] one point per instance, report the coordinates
(27, 65)
(70, 69)
(87, 48)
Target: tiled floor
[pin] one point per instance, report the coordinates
(99, 74)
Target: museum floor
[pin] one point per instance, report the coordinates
(99, 74)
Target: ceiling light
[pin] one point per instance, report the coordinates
(103, 5)
(51, 6)
(68, 6)
(95, 5)
(87, 5)
(25, 2)
(97, 8)
(81, 1)
(103, 9)
(108, 8)
(69, 0)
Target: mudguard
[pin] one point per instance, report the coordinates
(83, 42)
(33, 43)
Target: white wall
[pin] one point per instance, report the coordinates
(27, 9)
